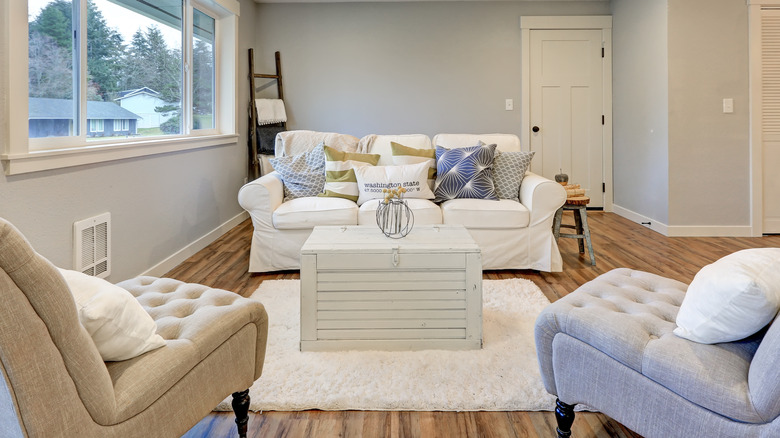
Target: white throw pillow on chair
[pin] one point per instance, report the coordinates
(120, 328)
(732, 298)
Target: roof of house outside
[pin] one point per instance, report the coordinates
(54, 109)
(143, 90)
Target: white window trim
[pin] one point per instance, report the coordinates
(18, 157)
(121, 125)
(96, 123)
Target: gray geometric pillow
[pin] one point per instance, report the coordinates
(303, 174)
(508, 172)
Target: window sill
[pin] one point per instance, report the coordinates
(35, 161)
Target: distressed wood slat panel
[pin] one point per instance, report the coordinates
(390, 314)
(391, 305)
(392, 324)
(392, 334)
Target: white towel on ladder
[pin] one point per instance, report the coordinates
(270, 111)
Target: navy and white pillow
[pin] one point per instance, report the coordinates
(465, 173)
(303, 174)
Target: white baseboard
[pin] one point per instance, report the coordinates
(685, 230)
(711, 231)
(653, 224)
(183, 254)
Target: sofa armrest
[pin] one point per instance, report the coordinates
(262, 197)
(541, 196)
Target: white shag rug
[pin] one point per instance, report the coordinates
(502, 376)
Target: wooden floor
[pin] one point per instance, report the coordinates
(617, 242)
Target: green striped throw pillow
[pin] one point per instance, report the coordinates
(340, 180)
(406, 155)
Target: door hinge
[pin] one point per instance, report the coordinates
(602, 52)
(603, 120)
(603, 187)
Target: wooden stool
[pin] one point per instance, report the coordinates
(580, 226)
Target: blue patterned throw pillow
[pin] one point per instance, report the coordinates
(465, 173)
(303, 174)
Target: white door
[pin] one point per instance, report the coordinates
(567, 107)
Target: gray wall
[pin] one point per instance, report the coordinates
(394, 68)
(640, 107)
(159, 204)
(709, 152)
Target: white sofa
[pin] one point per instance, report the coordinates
(511, 235)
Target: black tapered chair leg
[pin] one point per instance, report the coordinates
(564, 415)
(241, 408)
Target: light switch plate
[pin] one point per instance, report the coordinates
(728, 106)
(510, 105)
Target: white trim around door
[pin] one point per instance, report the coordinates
(598, 22)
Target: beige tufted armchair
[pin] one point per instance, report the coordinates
(54, 382)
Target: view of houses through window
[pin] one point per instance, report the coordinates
(135, 75)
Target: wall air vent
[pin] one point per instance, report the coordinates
(92, 245)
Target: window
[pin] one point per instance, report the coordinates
(202, 70)
(121, 125)
(162, 70)
(96, 125)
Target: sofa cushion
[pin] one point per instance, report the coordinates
(732, 298)
(406, 155)
(503, 142)
(425, 212)
(306, 213)
(465, 173)
(381, 145)
(485, 214)
(298, 141)
(340, 181)
(372, 180)
(303, 174)
(508, 172)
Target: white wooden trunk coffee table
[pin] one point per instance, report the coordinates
(362, 290)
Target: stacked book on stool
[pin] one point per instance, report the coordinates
(575, 202)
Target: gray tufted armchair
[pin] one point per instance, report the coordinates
(54, 382)
(609, 345)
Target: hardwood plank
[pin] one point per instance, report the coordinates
(617, 242)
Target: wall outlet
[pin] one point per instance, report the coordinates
(510, 105)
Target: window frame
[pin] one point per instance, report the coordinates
(21, 154)
(123, 124)
(94, 123)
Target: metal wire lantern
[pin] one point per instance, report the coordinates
(394, 218)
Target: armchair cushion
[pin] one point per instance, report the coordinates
(732, 298)
(119, 326)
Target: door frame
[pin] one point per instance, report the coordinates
(755, 61)
(585, 22)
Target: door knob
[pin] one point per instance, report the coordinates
(535, 129)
